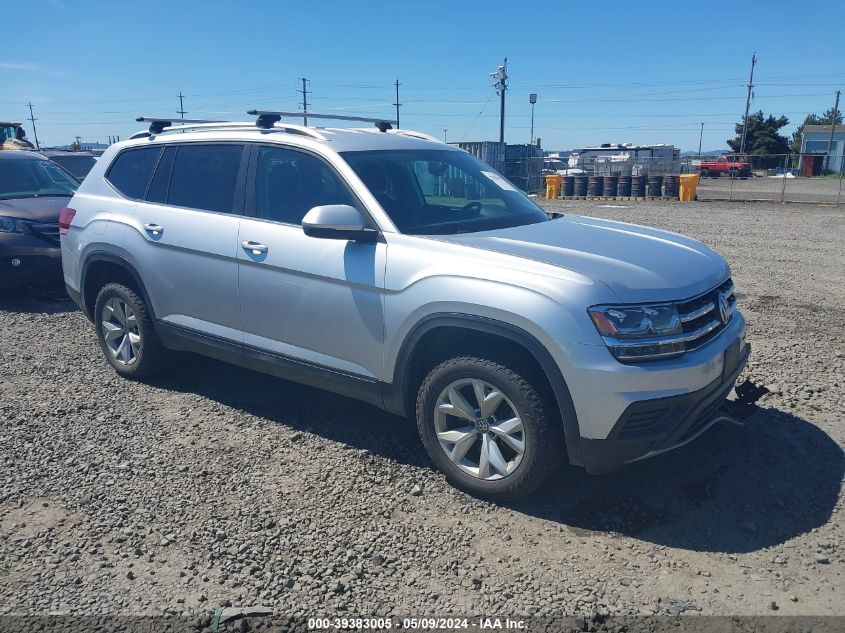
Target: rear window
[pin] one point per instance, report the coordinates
(78, 166)
(130, 173)
(205, 177)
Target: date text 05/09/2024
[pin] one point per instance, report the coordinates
(416, 624)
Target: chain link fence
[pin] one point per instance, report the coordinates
(812, 178)
(815, 178)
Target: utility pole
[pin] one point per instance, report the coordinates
(532, 99)
(501, 85)
(700, 136)
(444, 134)
(829, 141)
(747, 104)
(304, 92)
(35, 132)
(181, 109)
(397, 104)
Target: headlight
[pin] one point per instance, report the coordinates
(640, 332)
(12, 225)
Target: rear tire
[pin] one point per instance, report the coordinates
(516, 427)
(126, 333)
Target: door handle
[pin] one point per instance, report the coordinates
(255, 248)
(154, 229)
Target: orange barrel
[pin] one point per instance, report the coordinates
(689, 185)
(553, 182)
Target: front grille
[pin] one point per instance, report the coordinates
(701, 317)
(46, 231)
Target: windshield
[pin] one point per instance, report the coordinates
(27, 178)
(79, 166)
(6, 132)
(441, 192)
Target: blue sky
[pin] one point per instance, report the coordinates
(609, 72)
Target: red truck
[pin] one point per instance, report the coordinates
(728, 164)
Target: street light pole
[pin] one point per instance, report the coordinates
(444, 134)
(532, 98)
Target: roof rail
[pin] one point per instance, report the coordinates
(413, 134)
(266, 118)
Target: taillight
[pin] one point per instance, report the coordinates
(65, 218)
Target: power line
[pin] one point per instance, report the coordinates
(477, 116)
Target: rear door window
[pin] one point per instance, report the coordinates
(205, 177)
(130, 173)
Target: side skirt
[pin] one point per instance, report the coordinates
(296, 370)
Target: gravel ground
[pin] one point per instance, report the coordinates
(218, 486)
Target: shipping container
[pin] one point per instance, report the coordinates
(490, 152)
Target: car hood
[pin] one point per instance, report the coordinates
(636, 262)
(46, 209)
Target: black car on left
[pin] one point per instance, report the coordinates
(33, 192)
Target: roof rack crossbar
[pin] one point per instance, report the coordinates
(266, 118)
(157, 124)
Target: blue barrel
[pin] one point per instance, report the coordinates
(672, 187)
(655, 186)
(638, 186)
(623, 188)
(580, 186)
(595, 185)
(568, 188)
(610, 184)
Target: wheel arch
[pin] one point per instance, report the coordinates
(400, 394)
(102, 267)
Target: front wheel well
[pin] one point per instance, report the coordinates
(444, 342)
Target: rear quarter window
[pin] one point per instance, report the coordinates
(131, 170)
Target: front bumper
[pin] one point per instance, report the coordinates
(36, 264)
(650, 427)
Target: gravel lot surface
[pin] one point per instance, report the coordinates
(217, 486)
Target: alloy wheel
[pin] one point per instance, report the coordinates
(120, 331)
(479, 429)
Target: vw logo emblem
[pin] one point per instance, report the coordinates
(724, 311)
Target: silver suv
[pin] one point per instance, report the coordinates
(398, 270)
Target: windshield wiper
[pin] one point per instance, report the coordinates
(36, 195)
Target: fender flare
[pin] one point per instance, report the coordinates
(394, 397)
(105, 256)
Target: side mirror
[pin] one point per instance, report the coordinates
(337, 222)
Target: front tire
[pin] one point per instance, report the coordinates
(125, 332)
(489, 429)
